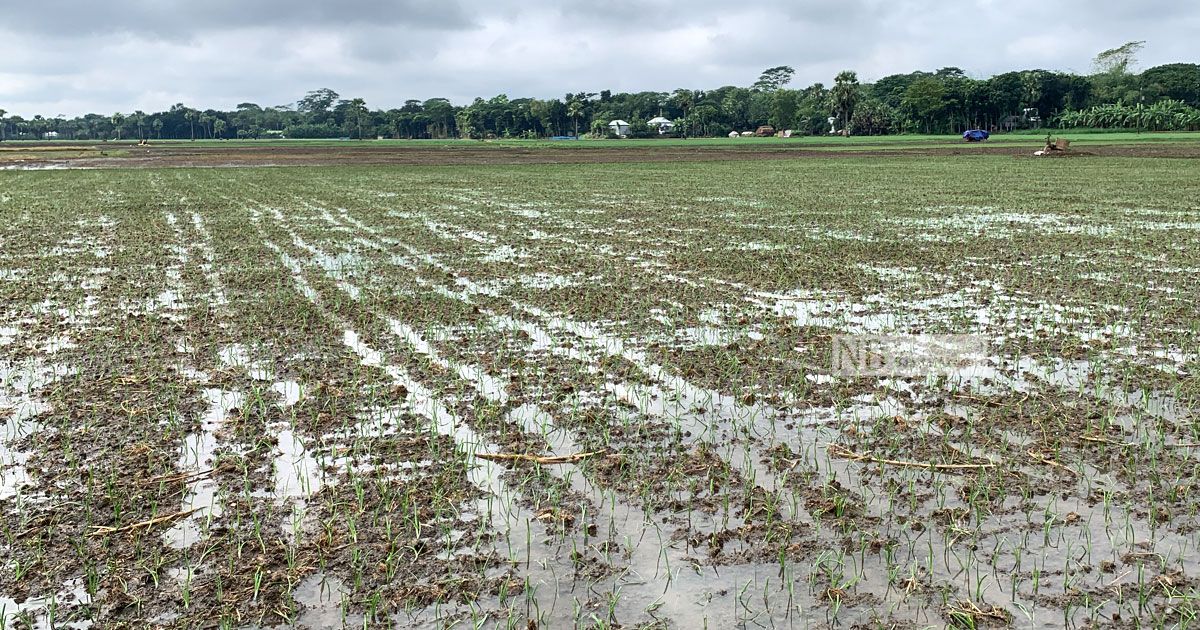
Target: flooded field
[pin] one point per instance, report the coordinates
(599, 395)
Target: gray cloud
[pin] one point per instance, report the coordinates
(189, 18)
(71, 57)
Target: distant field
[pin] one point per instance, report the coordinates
(318, 396)
(23, 155)
(915, 140)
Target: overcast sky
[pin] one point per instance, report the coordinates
(76, 56)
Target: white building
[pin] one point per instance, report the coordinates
(661, 124)
(619, 127)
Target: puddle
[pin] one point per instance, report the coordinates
(44, 610)
(532, 419)
(324, 601)
(238, 356)
(710, 336)
(19, 410)
(290, 392)
(546, 281)
(21, 422)
(807, 309)
(503, 253)
(297, 474)
(199, 457)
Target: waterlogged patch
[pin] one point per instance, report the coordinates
(759, 246)
(290, 392)
(198, 458)
(41, 610)
(960, 222)
(647, 459)
(740, 202)
(12, 275)
(712, 336)
(503, 254)
(548, 281)
(238, 356)
(297, 473)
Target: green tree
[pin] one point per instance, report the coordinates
(735, 108)
(924, 99)
(773, 79)
(703, 115)
(316, 104)
(783, 108)
(468, 120)
(440, 118)
(844, 96)
(1179, 81)
(682, 99)
(1118, 60)
(599, 125)
(356, 114)
(1112, 79)
(871, 118)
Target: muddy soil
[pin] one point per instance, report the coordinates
(362, 396)
(481, 153)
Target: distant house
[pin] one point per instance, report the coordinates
(663, 125)
(619, 128)
(50, 135)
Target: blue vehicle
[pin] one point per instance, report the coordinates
(975, 135)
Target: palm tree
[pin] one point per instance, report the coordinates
(157, 125)
(139, 120)
(3, 113)
(117, 120)
(575, 110)
(845, 95)
(190, 115)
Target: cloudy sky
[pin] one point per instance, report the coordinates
(76, 56)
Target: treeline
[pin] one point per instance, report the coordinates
(1164, 97)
